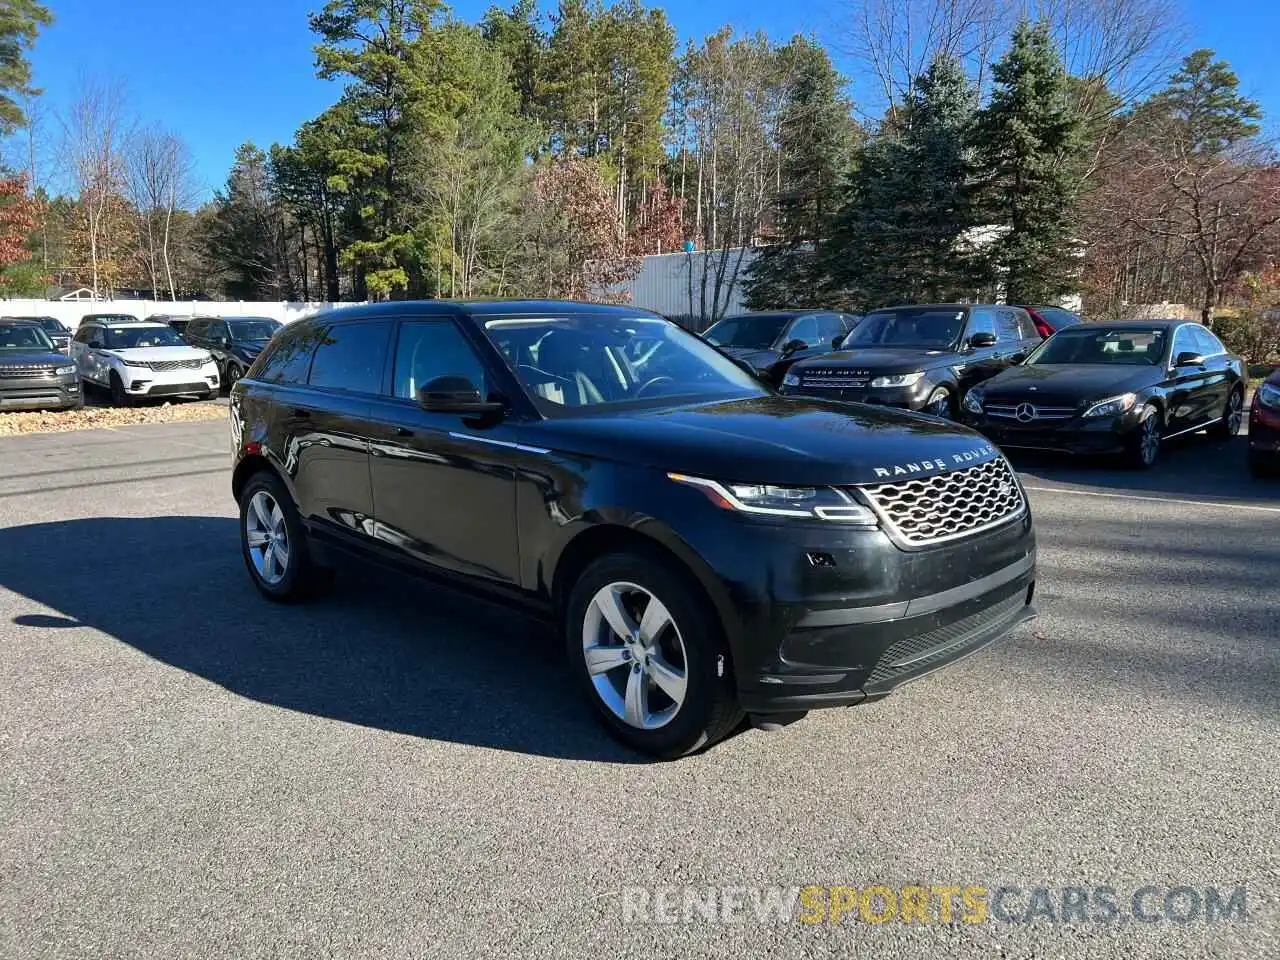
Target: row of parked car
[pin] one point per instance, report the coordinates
(44, 365)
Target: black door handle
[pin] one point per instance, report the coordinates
(403, 432)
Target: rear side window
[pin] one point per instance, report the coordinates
(1026, 326)
(981, 321)
(350, 356)
(289, 357)
(428, 349)
(1007, 326)
(196, 327)
(85, 334)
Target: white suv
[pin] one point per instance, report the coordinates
(137, 358)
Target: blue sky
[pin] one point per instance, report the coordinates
(222, 73)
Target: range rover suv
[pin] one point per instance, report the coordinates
(705, 546)
(138, 358)
(920, 358)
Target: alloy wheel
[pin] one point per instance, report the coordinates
(267, 537)
(635, 655)
(940, 405)
(1235, 414)
(1150, 442)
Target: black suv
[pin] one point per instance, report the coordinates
(705, 546)
(769, 343)
(235, 342)
(921, 358)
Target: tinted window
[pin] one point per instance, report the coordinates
(936, 327)
(752, 331)
(1007, 326)
(17, 337)
(806, 329)
(197, 327)
(1207, 342)
(85, 334)
(433, 348)
(253, 329)
(1184, 341)
(982, 321)
(829, 327)
(216, 329)
(1096, 344)
(287, 360)
(129, 338)
(349, 356)
(1026, 326)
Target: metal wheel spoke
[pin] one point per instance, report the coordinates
(636, 703)
(602, 659)
(609, 602)
(668, 679)
(277, 519)
(255, 537)
(258, 505)
(280, 555)
(656, 619)
(268, 563)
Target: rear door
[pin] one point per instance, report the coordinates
(88, 358)
(444, 487)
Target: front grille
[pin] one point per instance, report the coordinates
(919, 654)
(28, 371)
(162, 366)
(928, 510)
(834, 378)
(1027, 412)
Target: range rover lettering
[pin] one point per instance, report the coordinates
(1120, 388)
(919, 358)
(706, 547)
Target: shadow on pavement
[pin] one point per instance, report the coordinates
(381, 651)
(1193, 467)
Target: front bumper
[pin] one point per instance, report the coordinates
(144, 382)
(904, 398)
(1077, 435)
(40, 393)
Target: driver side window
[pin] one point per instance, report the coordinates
(1184, 342)
(806, 329)
(426, 349)
(981, 321)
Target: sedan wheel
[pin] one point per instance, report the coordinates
(939, 404)
(1228, 425)
(1144, 443)
(234, 373)
(267, 538)
(635, 656)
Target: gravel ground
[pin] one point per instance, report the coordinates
(398, 772)
(97, 414)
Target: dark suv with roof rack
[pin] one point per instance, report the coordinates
(706, 547)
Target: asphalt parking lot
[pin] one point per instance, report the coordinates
(190, 771)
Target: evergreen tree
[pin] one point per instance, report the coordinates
(20, 22)
(816, 133)
(903, 233)
(1029, 144)
(517, 34)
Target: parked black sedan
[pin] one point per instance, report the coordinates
(706, 547)
(771, 342)
(918, 357)
(33, 375)
(1114, 388)
(1264, 428)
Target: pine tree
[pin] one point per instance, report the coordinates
(1029, 144)
(902, 234)
(816, 133)
(20, 22)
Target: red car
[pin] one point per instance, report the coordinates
(1264, 427)
(1049, 320)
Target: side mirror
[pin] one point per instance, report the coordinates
(1189, 358)
(791, 346)
(982, 339)
(95, 344)
(223, 341)
(837, 340)
(451, 394)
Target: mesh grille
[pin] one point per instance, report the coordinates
(834, 377)
(917, 654)
(26, 371)
(930, 509)
(160, 366)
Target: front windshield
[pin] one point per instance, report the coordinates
(1092, 344)
(51, 325)
(589, 360)
(23, 338)
(752, 332)
(127, 338)
(933, 327)
(254, 329)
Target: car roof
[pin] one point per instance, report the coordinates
(21, 321)
(106, 320)
(476, 309)
(1133, 324)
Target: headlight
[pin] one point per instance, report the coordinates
(1269, 396)
(136, 364)
(65, 371)
(821, 503)
(791, 380)
(900, 380)
(1112, 406)
(972, 401)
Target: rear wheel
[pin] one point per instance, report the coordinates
(650, 656)
(1232, 416)
(234, 373)
(119, 396)
(941, 404)
(1142, 446)
(274, 543)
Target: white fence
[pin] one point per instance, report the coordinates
(70, 312)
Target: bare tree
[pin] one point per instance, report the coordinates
(94, 132)
(159, 174)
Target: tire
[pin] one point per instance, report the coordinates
(209, 395)
(1228, 425)
(119, 397)
(234, 373)
(687, 645)
(267, 510)
(1142, 446)
(941, 403)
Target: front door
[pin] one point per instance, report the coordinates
(979, 363)
(444, 484)
(1190, 386)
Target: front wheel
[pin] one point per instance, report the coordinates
(1228, 425)
(1142, 447)
(940, 404)
(234, 373)
(650, 656)
(119, 396)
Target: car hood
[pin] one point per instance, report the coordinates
(251, 347)
(1067, 384)
(759, 359)
(772, 439)
(157, 354)
(883, 359)
(32, 358)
